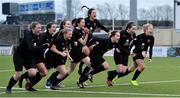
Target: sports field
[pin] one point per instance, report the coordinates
(161, 78)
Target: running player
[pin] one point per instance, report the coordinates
(142, 42)
(91, 23)
(28, 54)
(65, 24)
(57, 56)
(122, 52)
(98, 63)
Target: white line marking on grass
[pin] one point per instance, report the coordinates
(104, 93)
(115, 93)
(7, 70)
(120, 84)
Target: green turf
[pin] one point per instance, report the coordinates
(160, 78)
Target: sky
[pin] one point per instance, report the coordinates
(92, 3)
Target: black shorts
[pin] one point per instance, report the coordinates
(39, 59)
(96, 60)
(20, 61)
(138, 56)
(53, 60)
(77, 55)
(120, 58)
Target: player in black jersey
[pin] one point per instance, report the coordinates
(141, 43)
(91, 23)
(65, 24)
(122, 52)
(79, 51)
(29, 55)
(98, 63)
(48, 38)
(57, 56)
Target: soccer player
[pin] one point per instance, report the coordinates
(79, 51)
(142, 42)
(122, 52)
(65, 24)
(98, 63)
(57, 56)
(28, 54)
(91, 23)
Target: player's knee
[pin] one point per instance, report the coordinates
(31, 72)
(17, 75)
(142, 67)
(120, 69)
(43, 74)
(86, 50)
(64, 73)
(106, 67)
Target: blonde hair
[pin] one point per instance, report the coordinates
(65, 30)
(145, 26)
(33, 25)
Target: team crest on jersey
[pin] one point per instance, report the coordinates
(148, 41)
(94, 24)
(64, 48)
(126, 43)
(142, 46)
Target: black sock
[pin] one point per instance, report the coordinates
(53, 75)
(56, 81)
(64, 77)
(81, 65)
(25, 75)
(12, 82)
(137, 73)
(83, 78)
(123, 74)
(36, 78)
(86, 70)
(97, 70)
(112, 74)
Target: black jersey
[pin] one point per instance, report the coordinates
(91, 25)
(142, 42)
(30, 45)
(77, 34)
(125, 43)
(61, 44)
(47, 38)
(102, 47)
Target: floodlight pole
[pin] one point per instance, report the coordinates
(133, 11)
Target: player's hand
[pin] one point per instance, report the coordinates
(63, 54)
(86, 30)
(109, 33)
(144, 54)
(75, 43)
(132, 54)
(71, 60)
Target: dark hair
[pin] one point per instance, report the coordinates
(129, 25)
(89, 10)
(78, 21)
(62, 24)
(49, 26)
(33, 25)
(74, 21)
(113, 33)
